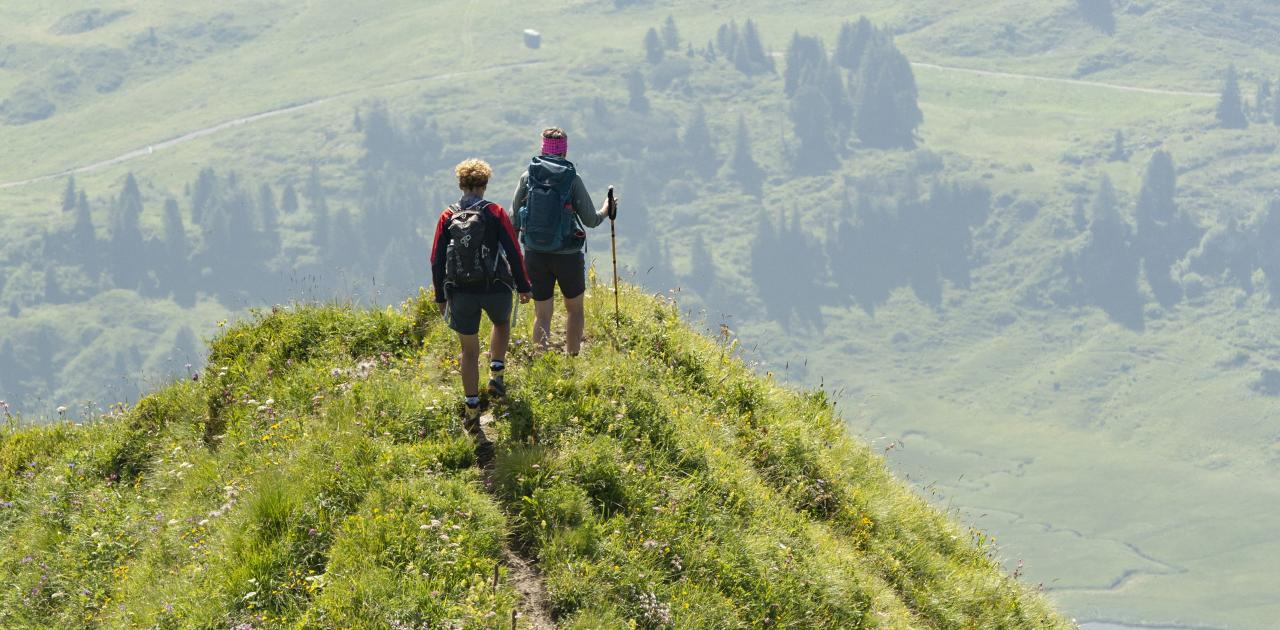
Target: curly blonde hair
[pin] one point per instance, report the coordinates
(473, 174)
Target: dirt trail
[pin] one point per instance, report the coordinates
(1079, 82)
(247, 120)
(535, 605)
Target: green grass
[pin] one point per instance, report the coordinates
(316, 476)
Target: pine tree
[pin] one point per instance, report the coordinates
(203, 195)
(853, 42)
(318, 205)
(1160, 237)
(727, 39)
(742, 167)
(757, 60)
(812, 117)
(653, 51)
(670, 34)
(806, 61)
(1231, 106)
(126, 235)
(702, 268)
(1099, 13)
(1108, 266)
(270, 220)
(289, 200)
(52, 287)
(177, 247)
(1118, 151)
(886, 113)
(1268, 254)
(698, 144)
(345, 250)
(83, 237)
(635, 89)
(69, 195)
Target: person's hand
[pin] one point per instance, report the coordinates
(525, 297)
(608, 210)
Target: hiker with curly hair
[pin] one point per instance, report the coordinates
(475, 264)
(553, 211)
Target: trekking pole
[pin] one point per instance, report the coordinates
(613, 242)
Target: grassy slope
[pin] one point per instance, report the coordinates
(1157, 426)
(317, 477)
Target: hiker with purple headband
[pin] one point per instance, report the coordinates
(552, 213)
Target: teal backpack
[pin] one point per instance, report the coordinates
(548, 223)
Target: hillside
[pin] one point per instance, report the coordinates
(1127, 461)
(316, 476)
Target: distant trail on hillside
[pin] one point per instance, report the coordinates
(1033, 77)
(246, 120)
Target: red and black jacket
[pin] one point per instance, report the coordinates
(504, 237)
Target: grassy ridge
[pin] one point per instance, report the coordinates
(316, 477)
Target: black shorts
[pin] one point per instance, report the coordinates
(545, 270)
(463, 312)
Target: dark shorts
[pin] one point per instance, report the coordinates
(463, 312)
(545, 270)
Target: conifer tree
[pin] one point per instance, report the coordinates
(126, 235)
(1108, 266)
(886, 113)
(1161, 240)
(1231, 106)
(203, 195)
(698, 144)
(177, 248)
(757, 60)
(83, 236)
(853, 42)
(270, 220)
(318, 205)
(812, 118)
(806, 62)
(727, 37)
(1268, 253)
(69, 195)
(653, 50)
(1118, 151)
(52, 288)
(670, 34)
(742, 167)
(702, 268)
(635, 89)
(289, 199)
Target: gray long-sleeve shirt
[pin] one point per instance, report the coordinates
(578, 197)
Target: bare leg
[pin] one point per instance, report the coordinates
(542, 312)
(469, 364)
(498, 342)
(573, 331)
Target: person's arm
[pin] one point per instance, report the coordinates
(439, 247)
(517, 201)
(511, 246)
(584, 207)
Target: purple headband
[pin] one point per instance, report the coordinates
(555, 146)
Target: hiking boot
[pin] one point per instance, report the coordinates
(471, 419)
(497, 389)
